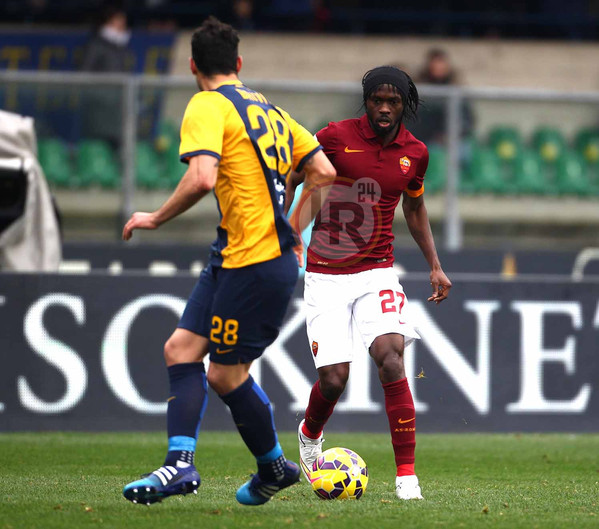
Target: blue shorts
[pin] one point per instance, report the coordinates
(241, 310)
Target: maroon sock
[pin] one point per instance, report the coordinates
(317, 413)
(399, 406)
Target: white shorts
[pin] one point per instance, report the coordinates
(345, 313)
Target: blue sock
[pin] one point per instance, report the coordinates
(186, 406)
(253, 417)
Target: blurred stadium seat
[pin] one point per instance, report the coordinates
(157, 164)
(505, 166)
(587, 144)
(528, 174)
(55, 160)
(95, 164)
(435, 174)
(483, 173)
(549, 143)
(571, 177)
(173, 168)
(167, 137)
(166, 147)
(548, 166)
(147, 166)
(506, 142)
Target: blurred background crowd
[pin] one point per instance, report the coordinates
(462, 18)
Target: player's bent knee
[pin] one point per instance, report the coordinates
(221, 385)
(332, 389)
(184, 347)
(333, 382)
(389, 346)
(391, 367)
(177, 352)
(215, 380)
(171, 351)
(223, 378)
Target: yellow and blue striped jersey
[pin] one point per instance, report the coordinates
(257, 144)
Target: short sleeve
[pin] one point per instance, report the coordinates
(305, 144)
(327, 137)
(416, 185)
(203, 126)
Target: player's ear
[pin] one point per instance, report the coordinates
(192, 66)
(239, 63)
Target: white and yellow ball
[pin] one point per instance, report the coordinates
(339, 473)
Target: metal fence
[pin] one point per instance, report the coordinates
(453, 98)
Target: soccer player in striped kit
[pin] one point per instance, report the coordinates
(241, 146)
(354, 302)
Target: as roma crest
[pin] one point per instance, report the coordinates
(405, 164)
(314, 348)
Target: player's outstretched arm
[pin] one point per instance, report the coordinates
(416, 216)
(320, 173)
(198, 180)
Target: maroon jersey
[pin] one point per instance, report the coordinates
(353, 230)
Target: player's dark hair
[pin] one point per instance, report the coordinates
(397, 79)
(214, 47)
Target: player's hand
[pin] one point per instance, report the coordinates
(441, 286)
(298, 250)
(139, 221)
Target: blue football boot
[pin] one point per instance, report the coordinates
(256, 491)
(163, 482)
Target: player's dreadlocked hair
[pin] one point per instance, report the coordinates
(398, 79)
(214, 47)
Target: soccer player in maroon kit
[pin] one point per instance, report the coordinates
(354, 301)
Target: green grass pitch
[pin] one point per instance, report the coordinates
(74, 480)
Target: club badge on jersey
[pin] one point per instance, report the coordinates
(405, 164)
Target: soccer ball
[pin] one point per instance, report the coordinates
(339, 473)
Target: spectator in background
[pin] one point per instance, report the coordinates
(107, 51)
(431, 126)
(438, 69)
(243, 15)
